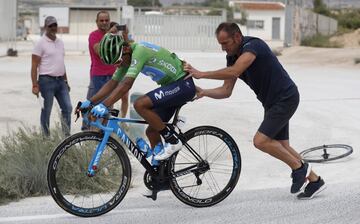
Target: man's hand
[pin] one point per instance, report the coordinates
(99, 110)
(113, 29)
(193, 72)
(199, 93)
(36, 90)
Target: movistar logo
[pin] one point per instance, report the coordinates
(161, 94)
(99, 108)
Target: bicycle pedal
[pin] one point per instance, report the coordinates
(153, 196)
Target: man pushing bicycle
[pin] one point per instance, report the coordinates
(157, 106)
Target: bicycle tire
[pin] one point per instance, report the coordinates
(216, 183)
(326, 153)
(79, 194)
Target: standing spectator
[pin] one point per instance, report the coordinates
(48, 76)
(100, 73)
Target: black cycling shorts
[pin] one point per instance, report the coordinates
(166, 99)
(276, 118)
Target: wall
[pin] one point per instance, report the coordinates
(266, 16)
(8, 17)
(302, 23)
(178, 32)
(82, 21)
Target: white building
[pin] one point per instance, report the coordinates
(265, 20)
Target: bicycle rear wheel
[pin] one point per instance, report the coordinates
(78, 193)
(326, 153)
(208, 182)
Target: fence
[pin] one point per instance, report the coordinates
(302, 23)
(175, 32)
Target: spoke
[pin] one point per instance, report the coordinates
(221, 171)
(219, 154)
(206, 179)
(186, 155)
(217, 150)
(194, 181)
(184, 177)
(214, 181)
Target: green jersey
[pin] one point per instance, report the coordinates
(159, 64)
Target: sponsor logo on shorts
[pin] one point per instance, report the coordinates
(159, 95)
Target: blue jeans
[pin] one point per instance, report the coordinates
(96, 83)
(51, 87)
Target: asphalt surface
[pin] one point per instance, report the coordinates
(328, 113)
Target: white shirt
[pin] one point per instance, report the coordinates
(52, 56)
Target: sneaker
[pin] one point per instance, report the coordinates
(168, 150)
(312, 189)
(299, 178)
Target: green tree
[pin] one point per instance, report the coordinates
(321, 8)
(142, 3)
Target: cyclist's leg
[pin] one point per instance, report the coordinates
(173, 95)
(152, 134)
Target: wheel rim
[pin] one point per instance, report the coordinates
(326, 153)
(82, 193)
(210, 183)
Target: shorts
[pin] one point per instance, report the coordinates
(167, 99)
(276, 118)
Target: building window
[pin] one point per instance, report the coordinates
(255, 24)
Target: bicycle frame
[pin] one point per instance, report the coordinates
(113, 127)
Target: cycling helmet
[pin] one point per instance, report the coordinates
(111, 48)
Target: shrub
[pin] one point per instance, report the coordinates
(320, 41)
(24, 156)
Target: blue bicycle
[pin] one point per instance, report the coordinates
(89, 173)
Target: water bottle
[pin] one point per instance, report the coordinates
(144, 147)
(157, 149)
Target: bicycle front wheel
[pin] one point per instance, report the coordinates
(78, 193)
(205, 181)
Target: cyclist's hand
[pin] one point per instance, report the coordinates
(99, 110)
(85, 104)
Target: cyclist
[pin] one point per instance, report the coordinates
(251, 60)
(156, 106)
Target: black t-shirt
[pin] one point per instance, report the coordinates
(265, 76)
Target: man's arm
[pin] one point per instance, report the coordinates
(221, 92)
(122, 88)
(104, 91)
(234, 71)
(35, 61)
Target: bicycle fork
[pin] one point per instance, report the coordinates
(93, 165)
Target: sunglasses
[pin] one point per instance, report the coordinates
(53, 25)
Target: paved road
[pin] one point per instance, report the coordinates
(339, 203)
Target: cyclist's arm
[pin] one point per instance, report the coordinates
(221, 92)
(122, 88)
(104, 91)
